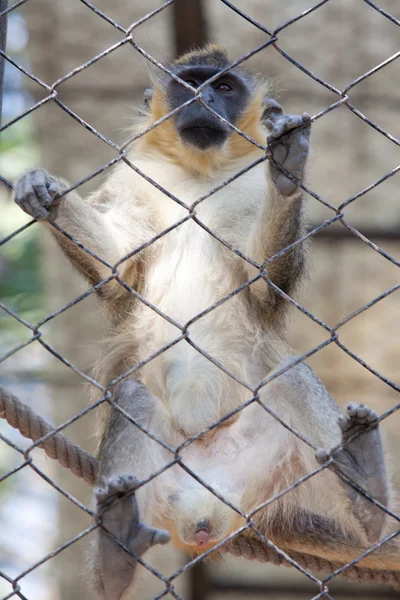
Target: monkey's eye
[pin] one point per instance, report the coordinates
(192, 82)
(224, 87)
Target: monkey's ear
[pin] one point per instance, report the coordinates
(270, 109)
(148, 97)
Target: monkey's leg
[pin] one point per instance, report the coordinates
(362, 461)
(127, 455)
(37, 193)
(119, 512)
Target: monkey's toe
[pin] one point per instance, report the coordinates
(359, 414)
(161, 536)
(122, 484)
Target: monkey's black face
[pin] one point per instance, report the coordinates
(227, 96)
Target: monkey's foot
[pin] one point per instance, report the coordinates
(361, 460)
(289, 141)
(120, 515)
(119, 512)
(36, 193)
(359, 417)
(362, 456)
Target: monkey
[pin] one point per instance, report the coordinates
(211, 240)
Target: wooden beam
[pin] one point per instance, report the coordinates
(190, 26)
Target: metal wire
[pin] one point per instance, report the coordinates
(183, 334)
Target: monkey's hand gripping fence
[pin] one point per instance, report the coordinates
(57, 446)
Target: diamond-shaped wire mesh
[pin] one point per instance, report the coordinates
(52, 438)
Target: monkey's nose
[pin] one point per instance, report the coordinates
(208, 97)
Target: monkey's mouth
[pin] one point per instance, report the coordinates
(203, 136)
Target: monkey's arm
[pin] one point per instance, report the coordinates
(37, 193)
(127, 455)
(282, 221)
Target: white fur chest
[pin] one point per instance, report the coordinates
(229, 212)
(187, 273)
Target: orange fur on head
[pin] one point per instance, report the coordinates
(210, 54)
(165, 139)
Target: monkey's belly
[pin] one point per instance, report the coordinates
(197, 392)
(194, 381)
(192, 376)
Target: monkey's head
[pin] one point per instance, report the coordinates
(193, 136)
(200, 520)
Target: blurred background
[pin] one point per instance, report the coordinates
(338, 42)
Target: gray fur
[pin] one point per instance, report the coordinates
(125, 446)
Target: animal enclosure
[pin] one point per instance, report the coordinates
(334, 223)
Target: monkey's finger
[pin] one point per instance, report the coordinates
(31, 205)
(269, 124)
(39, 182)
(131, 482)
(286, 123)
(53, 187)
(41, 194)
(352, 409)
(372, 416)
(343, 422)
(293, 121)
(279, 124)
(33, 208)
(277, 130)
(362, 411)
(116, 485)
(122, 483)
(272, 109)
(101, 494)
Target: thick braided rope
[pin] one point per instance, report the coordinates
(57, 446)
(254, 549)
(83, 465)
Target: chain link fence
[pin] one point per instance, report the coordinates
(82, 464)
